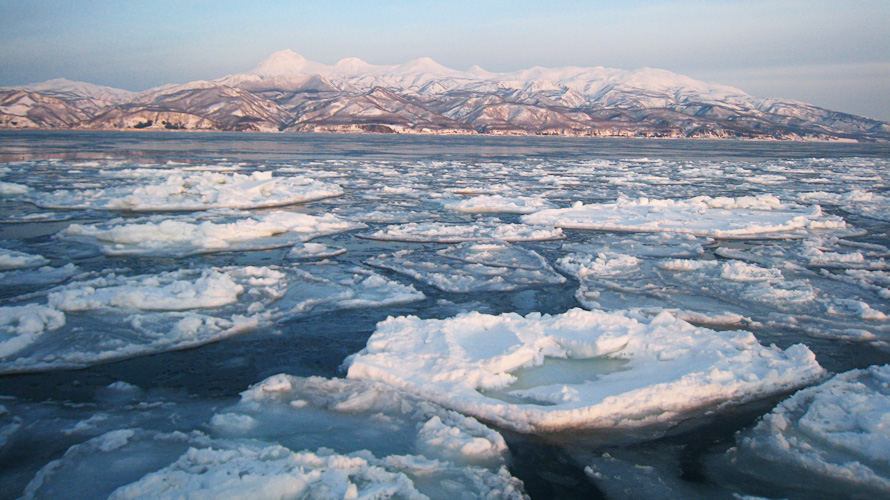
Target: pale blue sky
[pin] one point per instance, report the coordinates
(834, 54)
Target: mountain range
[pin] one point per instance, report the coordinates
(288, 93)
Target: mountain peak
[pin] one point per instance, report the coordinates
(424, 65)
(285, 62)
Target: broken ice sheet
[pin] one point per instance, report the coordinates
(826, 439)
(744, 217)
(290, 436)
(179, 189)
(670, 369)
(482, 230)
(473, 267)
(223, 232)
(499, 204)
(112, 317)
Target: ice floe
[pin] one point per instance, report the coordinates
(472, 267)
(183, 190)
(499, 204)
(293, 437)
(114, 316)
(581, 369)
(744, 217)
(830, 437)
(179, 236)
(10, 259)
(435, 232)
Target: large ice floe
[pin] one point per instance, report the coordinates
(225, 232)
(577, 370)
(499, 204)
(826, 439)
(473, 267)
(292, 437)
(112, 316)
(484, 230)
(178, 189)
(722, 217)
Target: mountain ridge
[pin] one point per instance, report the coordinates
(287, 92)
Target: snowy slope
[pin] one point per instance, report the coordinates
(288, 92)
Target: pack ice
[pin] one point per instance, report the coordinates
(721, 217)
(226, 232)
(827, 438)
(577, 370)
(292, 437)
(112, 316)
(180, 189)
(472, 267)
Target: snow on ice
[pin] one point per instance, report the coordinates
(744, 217)
(293, 437)
(472, 267)
(436, 232)
(613, 370)
(180, 236)
(113, 316)
(830, 437)
(186, 190)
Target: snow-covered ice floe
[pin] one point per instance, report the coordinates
(577, 370)
(499, 204)
(112, 317)
(744, 217)
(473, 267)
(828, 438)
(436, 232)
(292, 437)
(179, 189)
(181, 236)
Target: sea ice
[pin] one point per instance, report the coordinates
(472, 267)
(295, 437)
(112, 317)
(577, 370)
(181, 236)
(185, 190)
(310, 251)
(12, 188)
(493, 229)
(10, 259)
(499, 204)
(830, 437)
(744, 217)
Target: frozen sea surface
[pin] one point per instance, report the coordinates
(441, 317)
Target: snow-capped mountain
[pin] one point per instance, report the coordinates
(287, 92)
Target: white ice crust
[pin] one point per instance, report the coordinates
(744, 217)
(473, 267)
(493, 229)
(838, 430)
(183, 236)
(179, 189)
(292, 437)
(112, 316)
(499, 204)
(618, 371)
(10, 259)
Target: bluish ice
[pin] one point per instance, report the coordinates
(441, 317)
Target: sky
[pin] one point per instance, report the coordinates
(834, 54)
